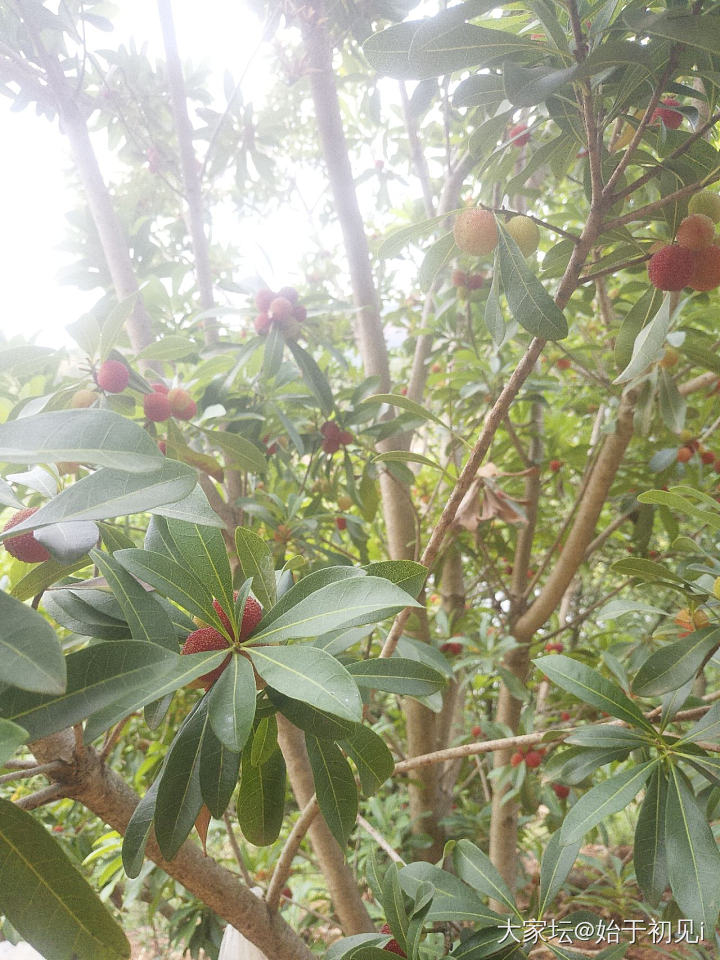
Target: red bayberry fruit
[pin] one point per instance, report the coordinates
(299, 313)
(475, 232)
(565, 716)
(452, 647)
(671, 118)
(477, 731)
(516, 759)
(564, 363)
(252, 615)
(695, 232)
(24, 546)
(554, 647)
(533, 759)
(707, 457)
(262, 324)
(561, 791)
(112, 376)
(671, 267)
(156, 407)
(475, 281)
(182, 404)
(201, 641)
(162, 447)
(555, 465)
(459, 278)
(263, 299)
(684, 454)
(519, 135)
(706, 269)
(392, 946)
(289, 293)
(345, 437)
(159, 387)
(340, 523)
(280, 309)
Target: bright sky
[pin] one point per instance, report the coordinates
(33, 196)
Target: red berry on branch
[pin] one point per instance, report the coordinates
(112, 376)
(24, 546)
(156, 407)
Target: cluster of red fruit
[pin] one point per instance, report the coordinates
(531, 758)
(554, 647)
(24, 546)
(692, 261)
(392, 946)
(519, 135)
(282, 309)
(113, 376)
(468, 281)
(691, 447)
(671, 118)
(452, 647)
(208, 638)
(555, 465)
(334, 436)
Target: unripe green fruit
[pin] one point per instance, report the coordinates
(475, 232)
(707, 203)
(83, 398)
(526, 234)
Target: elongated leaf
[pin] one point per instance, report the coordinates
(442, 49)
(649, 344)
(650, 856)
(79, 614)
(194, 508)
(313, 376)
(113, 493)
(11, 737)
(673, 406)
(707, 728)
(494, 320)
(261, 799)
(453, 902)
(172, 581)
(265, 740)
(145, 616)
(702, 33)
(100, 437)
(138, 831)
(68, 542)
(474, 867)
(407, 574)
(203, 551)
(436, 259)
(334, 787)
(73, 922)
(30, 654)
(42, 576)
(181, 671)
(387, 51)
(240, 452)
(692, 855)
(588, 685)
(530, 303)
(404, 403)
(606, 798)
(256, 563)
(636, 319)
(578, 763)
(179, 797)
(607, 736)
(309, 674)
(674, 664)
(231, 704)
(346, 603)
(219, 772)
(393, 901)
(557, 862)
(308, 718)
(95, 677)
(397, 675)
(371, 756)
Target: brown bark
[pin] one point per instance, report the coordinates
(341, 884)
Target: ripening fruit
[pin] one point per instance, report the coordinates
(561, 791)
(112, 376)
(263, 299)
(526, 234)
(262, 324)
(475, 232)
(477, 731)
(341, 523)
(156, 407)
(533, 759)
(252, 614)
(459, 278)
(671, 118)
(182, 404)
(670, 358)
(159, 387)
(24, 546)
(392, 946)
(201, 641)
(282, 534)
(565, 716)
(564, 363)
(344, 501)
(452, 648)
(707, 203)
(695, 232)
(519, 135)
(671, 267)
(707, 457)
(684, 454)
(280, 309)
(554, 647)
(516, 759)
(688, 623)
(555, 465)
(299, 312)
(289, 293)
(705, 273)
(83, 398)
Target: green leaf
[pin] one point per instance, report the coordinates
(203, 550)
(699, 32)
(179, 797)
(170, 347)
(606, 736)
(152, 686)
(265, 740)
(404, 456)
(526, 87)
(707, 728)
(530, 304)
(309, 674)
(173, 581)
(441, 46)
(308, 718)
(11, 737)
(138, 831)
(393, 901)
(219, 771)
(334, 787)
(313, 376)
(397, 675)
(407, 574)
(100, 437)
(589, 686)
(649, 344)
(474, 867)
(557, 862)
(494, 320)
(371, 756)
(231, 703)
(240, 453)
(48, 902)
(693, 859)
(345, 603)
(261, 799)
(674, 664)
(307, 585)
(395, 242)
(77, 610)
(492, 943)
(650, 856)
(387, 51)
(96, 676)
(436, 259)
(646, 570)
(673, 406)
(194, 508)
(606, 798)
(67, 542)
(30, 654)
(578, 763)
(404, 403)
(454, 901)
(256, 562)
(145, 616)
(112, 493)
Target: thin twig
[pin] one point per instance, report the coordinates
(112, 737)
(47, 795)
(287, 855)
(34, 771)
(237, 851)
(380, 839)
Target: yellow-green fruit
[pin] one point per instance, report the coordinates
(83, 398)
(525, 233)
(669, 358)
(344, 501)
(475, 232)
(707, 203)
